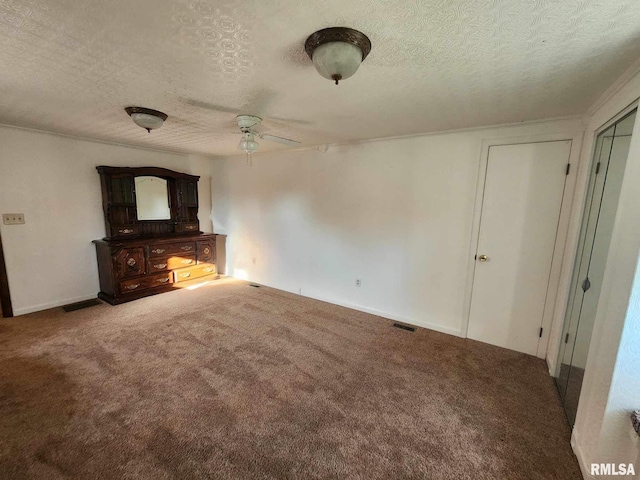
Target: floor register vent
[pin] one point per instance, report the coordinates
(404, 327)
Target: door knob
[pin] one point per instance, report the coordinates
(483, 258)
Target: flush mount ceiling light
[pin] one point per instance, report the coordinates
(146, 118)
(337, 52)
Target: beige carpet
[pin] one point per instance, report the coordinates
(230, 381)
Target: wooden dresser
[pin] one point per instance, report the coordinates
(131, 269)
(153, 243)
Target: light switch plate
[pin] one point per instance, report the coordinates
(13, 218)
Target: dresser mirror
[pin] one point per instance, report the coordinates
(152, 198)
(146, 202)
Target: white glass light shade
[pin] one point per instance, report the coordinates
(247, 144)
(147, 121)
(337, 60)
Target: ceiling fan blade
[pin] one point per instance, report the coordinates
(209, 106)
(258, 129)
(284, 141)
(297, 121)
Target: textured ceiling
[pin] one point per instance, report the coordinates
(71, 66)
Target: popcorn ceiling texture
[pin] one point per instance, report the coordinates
(71, 67)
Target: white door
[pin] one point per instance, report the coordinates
(523, 193)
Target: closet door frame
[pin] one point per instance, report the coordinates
(572, 243)
(581, 247)
(561, 236)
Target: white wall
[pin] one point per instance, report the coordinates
(53, 181)
(397, 214)
(618, 443)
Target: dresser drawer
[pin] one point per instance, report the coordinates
(126, 231)
(189, 227)
(206, 252)
(178, 248)
(189, 273)
(161, 264)
(145, 283)
(129, 262)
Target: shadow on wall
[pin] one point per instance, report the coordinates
(355, 212)
(221, 254)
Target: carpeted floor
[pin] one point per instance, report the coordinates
(229, 381)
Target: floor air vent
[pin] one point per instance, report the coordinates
(72, 307)
(404, 327)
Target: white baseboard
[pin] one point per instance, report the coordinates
(45, 306)
(373, 311)
(390, 316)
(582, 461)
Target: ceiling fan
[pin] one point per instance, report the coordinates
(251, 127)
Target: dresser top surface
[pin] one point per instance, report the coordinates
(155, 240)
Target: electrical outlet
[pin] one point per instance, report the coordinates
(358, 282)
(253, 260)
(13, 218)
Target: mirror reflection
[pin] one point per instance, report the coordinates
(152, 198)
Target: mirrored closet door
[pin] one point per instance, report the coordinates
(612, 148)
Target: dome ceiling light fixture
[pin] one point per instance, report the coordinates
(337, 52)
(146, 118)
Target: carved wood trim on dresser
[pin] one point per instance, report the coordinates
(137, 268)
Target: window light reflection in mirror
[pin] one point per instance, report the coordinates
(152, 198)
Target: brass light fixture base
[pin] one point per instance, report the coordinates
(146, 111)
(338, 34)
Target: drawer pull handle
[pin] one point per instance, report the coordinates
(208, 270)
(158, 250)
(185, 275)
(162, 280)
(160, 266)
(187, 262)
(206, 251)
(131, 262)
(190, 227)
(186, 248)
(132, 287)
(125, 230)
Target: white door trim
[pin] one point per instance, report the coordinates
(571, 243)
(561, 236)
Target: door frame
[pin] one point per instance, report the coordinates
(561, 235)
(584, 172)
(5, 296)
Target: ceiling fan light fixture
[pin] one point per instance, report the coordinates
(337, 52)
(248, 143)
(250, 126)
(146, 118)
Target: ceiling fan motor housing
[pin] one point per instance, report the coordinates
(245, 122)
